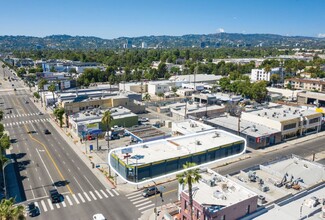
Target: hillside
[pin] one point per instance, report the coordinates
(209, 40)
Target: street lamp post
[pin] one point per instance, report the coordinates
(107, 139)
(4, 176)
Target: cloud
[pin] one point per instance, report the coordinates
(220, 30)
(321, 35)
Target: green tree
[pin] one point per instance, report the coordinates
(59, 112)
(275, 78)
(224, 83)
(112, 81)
(189, 177)
(259, 91)
(10, 211)
(162, 70)
(160, 95)
(36, 95)
(147, 97)
(41, 84)
(107, 120)
(174, 90)
(52, 88)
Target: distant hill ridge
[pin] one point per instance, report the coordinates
(186, 41)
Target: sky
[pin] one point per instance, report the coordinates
(131, 18)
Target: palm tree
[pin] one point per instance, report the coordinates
(52, 89)
(59, 112)
(9, 211)
(189, 177)
(106, 120)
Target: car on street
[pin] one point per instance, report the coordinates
(32, 209)
(99, 216)
(26, 102)
(46, 131)
(55, 196)
(150, 191)
(40, 113)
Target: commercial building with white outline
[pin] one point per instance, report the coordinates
(153, 160)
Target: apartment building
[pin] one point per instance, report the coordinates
(306, 84)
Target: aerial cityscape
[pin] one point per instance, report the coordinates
(162, 110)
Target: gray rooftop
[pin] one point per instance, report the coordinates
(252, 129)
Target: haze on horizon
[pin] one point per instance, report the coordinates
(112, 18)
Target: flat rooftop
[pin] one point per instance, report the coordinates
(189, 127)
(96, 114)
(178, 146)
(310, 173)
(198, 78)
(224, 193)
(145, 132)
(282, 113)
(252, 129)
(297, 209)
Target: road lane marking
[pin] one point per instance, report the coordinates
(82, 198)
(75, 198)
(145, 207)
(57, 205)
(115, 192)
(141, 200)
(50, 204)
(89, 182)
(110, 192)
(69, 200)
(92, 195)
(102, 191)
(44, 206)
(87, 197)
(78, 183)
(51, 158)
(63, 203)
(48, 173)
(144, 203)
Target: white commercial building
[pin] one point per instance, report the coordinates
(261, 74)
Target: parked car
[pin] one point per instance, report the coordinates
(32, 209)
(55, 196)
(99, 216)
(150, 191)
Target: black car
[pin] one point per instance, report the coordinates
(150, 191)
(55, 196)
(46, 131)
(32, 209)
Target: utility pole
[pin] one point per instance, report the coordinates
(239, 118)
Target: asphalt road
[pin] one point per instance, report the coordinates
(46, 159)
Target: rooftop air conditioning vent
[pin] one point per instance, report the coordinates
(198, 142)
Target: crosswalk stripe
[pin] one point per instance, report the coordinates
(63, 203)
(87, 197)
(145, 207)
(144, 203)
(102, 191)
(20, 122)
(92, 194)
(29, 121)
(19, 115)
(133, 196)
(100, 196)
(142, 200)
(75, 198)
(110, 192)
(57, 205)
(44, 206)
(82, 198)
(115, 192)
(50, 204)
(10, 124)
(136, 199)
(69, 200)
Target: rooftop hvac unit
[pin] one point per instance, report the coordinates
(198, 142)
